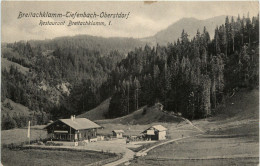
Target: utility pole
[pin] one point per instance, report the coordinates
(28, 134)
(128, 98)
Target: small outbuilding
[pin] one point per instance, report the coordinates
(157, 132)
(118, 133)
(73, 129)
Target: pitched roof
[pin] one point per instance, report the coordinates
(156, 127)
(79, 123)
(159, 128)
(118, 131)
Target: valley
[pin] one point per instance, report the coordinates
(188, 95)
(226, 141)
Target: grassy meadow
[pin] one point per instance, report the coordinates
(25, 157)
(190, 162)
(204, 150)
(231, 138)
(43, 157)
(18, 136)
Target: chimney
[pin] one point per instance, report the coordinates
(74, 117)
(71, 117)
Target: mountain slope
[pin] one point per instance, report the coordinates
(150, 115)
(101, 44)
(238, 116)
(10, 107)
(190, 25)
(98, 112)
(6, 64)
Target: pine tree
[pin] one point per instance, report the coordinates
(206, 107)
(137, 87)
(217, 42)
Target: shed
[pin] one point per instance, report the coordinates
(73, 129)
(157, 132)
(118, 133)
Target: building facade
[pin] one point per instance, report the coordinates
(157, 132)
(73, 129)
(118, 133)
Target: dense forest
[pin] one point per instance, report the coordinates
(190, 77)
(70, 76)
(60, 82)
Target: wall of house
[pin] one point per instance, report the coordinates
(119, 135)
(161, 135)
(154, 137)
(59, 126)
(87, 134)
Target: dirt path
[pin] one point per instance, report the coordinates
(129, 154)
(184, 119)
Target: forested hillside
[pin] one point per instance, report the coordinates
(61, 78)
(189, 76)
(71, 75)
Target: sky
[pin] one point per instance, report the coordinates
(145, 19)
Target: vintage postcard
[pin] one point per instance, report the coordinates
(129, 83)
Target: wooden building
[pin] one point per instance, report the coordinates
(73, 129)
(157, 132)
(118, 133)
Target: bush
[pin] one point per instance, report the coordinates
(53, 144)
(8, 123)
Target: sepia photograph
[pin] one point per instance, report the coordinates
(138, 83)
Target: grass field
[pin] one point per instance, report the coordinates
(42, 157)
(17, 136)
(204, 150)
(98, 112)
(174, 130)
(231, 138)
(209, 162)
(50, 157)
(207, 147)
